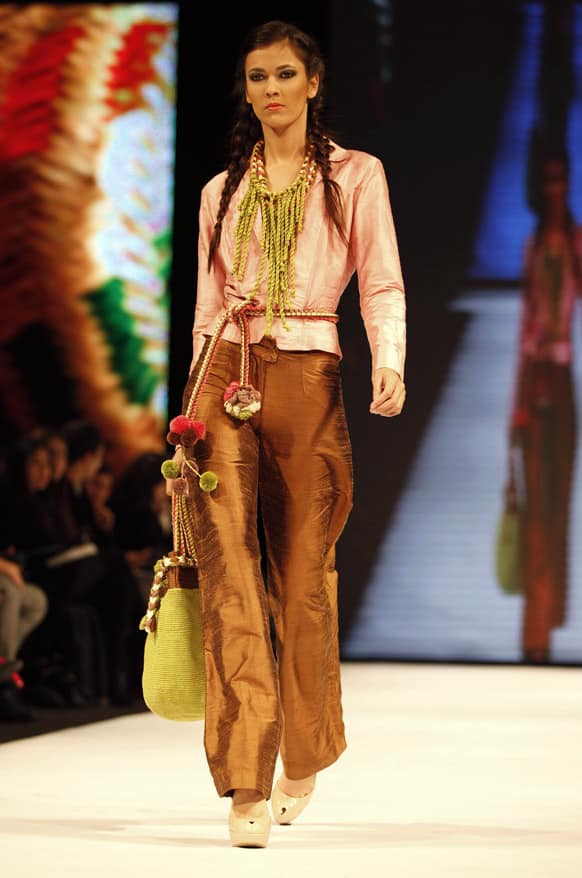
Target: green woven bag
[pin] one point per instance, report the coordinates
(173, 679)
(508, 554)
(173, 671)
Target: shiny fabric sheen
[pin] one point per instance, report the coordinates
(296, 452)
(324, 265)
(549, 450)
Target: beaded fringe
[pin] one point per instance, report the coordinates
(282, 215)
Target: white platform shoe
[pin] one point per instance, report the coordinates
(287, 808)
(250, 831)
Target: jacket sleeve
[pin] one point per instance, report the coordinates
(578, 260)
(375, 253)
(210, 284)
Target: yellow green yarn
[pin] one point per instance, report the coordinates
(208, 481)
(170, 469)
(282, 215)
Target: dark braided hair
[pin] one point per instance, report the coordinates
(556, 155)
(246, 128)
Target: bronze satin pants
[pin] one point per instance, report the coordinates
(549, 457)
(296, 453)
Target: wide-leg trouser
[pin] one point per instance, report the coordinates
(549, 456)
(296, 452)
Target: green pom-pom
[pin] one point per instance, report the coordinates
(170, 469)
(208, 481)
(244, 415)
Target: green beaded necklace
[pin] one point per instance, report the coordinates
(282, 214)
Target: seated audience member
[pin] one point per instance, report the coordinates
(85, 452)
(35, 532)
(58, 453)
(99, 489)
(121, 604)
(90, 591)
(143, 516)
(23, 607)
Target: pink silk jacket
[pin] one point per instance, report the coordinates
(546, 329)
(324, 265)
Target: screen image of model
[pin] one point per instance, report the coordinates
(480, 559)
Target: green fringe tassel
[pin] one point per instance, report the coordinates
(282, 215)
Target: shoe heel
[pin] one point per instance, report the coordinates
(287, 808)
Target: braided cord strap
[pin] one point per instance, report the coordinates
(183, 555)
(182, 529)
(243, 323)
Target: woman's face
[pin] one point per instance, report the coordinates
(100, 487)
(93, 461)
(555, 180)
(38, 470)
(277, 85)
(59, 457)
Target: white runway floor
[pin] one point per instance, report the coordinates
(450, 771)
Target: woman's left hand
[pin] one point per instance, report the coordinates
(389, 393)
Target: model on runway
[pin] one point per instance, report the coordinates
(544, 418)
(282, 231)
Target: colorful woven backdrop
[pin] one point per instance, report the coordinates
(87, 107)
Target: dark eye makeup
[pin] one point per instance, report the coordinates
(256, 75)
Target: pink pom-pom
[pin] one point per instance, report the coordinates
(179, 424)
(199, 428)
(234, 385)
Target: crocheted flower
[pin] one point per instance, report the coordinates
(234, 385)
(242, 400)
(170, 469)
(208, 481)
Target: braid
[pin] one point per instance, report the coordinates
(243, 136)
(332, 189)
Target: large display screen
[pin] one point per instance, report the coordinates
(464, 539)
(87, 107)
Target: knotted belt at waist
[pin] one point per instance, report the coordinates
(240, 312)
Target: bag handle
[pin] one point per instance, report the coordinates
(515, 491)
(182, 535)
